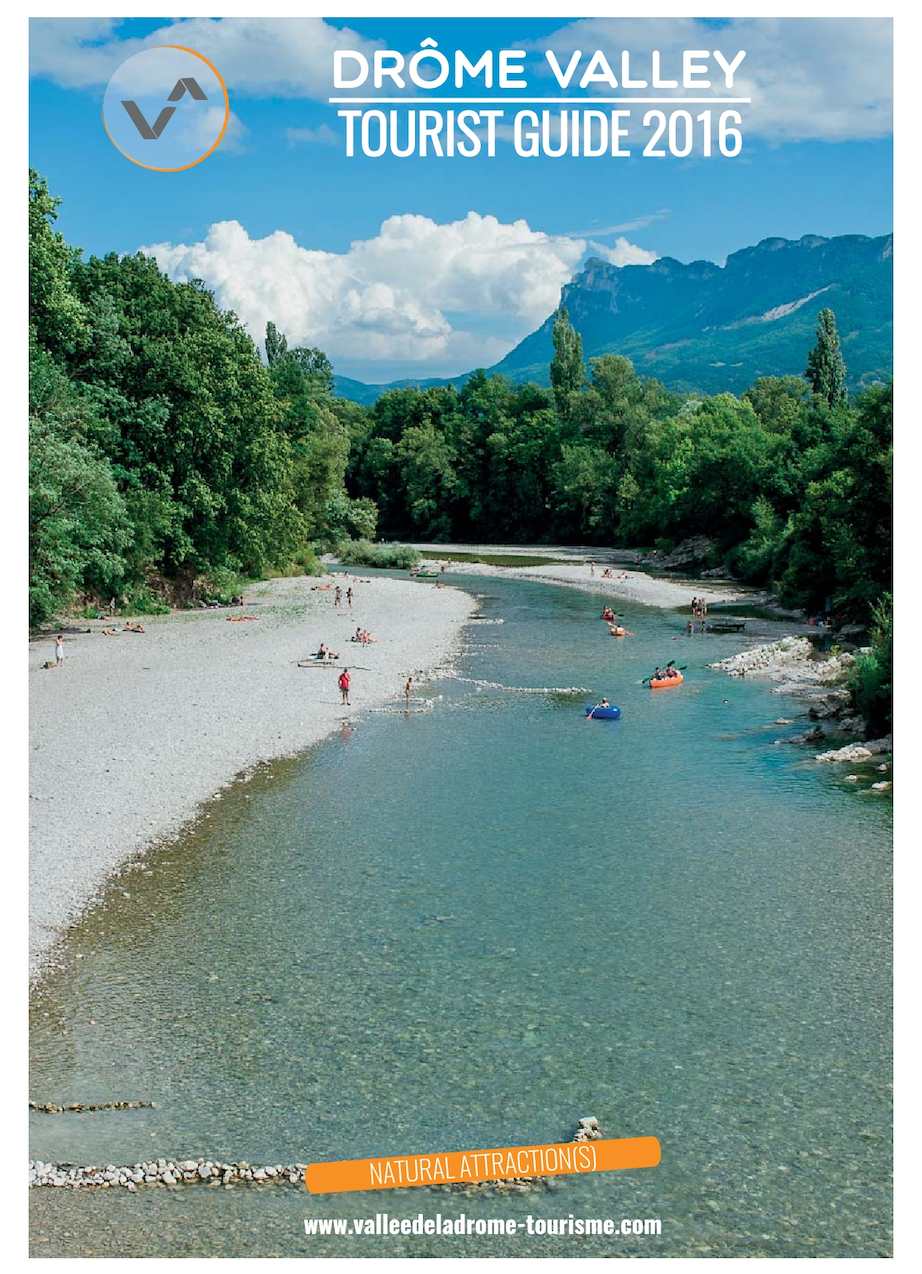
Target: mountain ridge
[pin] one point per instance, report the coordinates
(700, 326)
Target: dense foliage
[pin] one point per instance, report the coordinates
(871, 682)
(790, 482)
(393, 557)
(166, 453)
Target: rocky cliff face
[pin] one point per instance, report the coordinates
(700, 326)
(703, 326)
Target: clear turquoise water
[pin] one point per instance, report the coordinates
(470, 926)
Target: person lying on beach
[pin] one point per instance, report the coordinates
(131, 627)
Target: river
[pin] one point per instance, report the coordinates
(469, 925)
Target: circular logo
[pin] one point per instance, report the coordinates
(166, 108)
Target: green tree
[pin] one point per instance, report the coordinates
(55, 313)
(871, 679)
(567, 369)
(826, 371)
(276, 344)
(78, 522)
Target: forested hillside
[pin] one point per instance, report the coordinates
(705, 328)
(168, 457)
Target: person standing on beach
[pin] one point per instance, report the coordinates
(59, 651)
(349, 596)
(344, 683)
(337, 596)
(408, 687)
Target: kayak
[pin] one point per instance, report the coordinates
(666, 683)
(602, 714)
(617, 631)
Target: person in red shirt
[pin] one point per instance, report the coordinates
(344, 682)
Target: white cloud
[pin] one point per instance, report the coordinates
(323, 135)
(200, 127)
(809, 78)
(636, 223)
(280, 57)
(623, 252)
(432, 298)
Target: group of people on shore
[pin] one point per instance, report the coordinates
(699, 610)
(608, 573)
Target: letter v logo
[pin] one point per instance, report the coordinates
(148, 89)
(150, 132)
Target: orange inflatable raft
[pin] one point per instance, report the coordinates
(664, 683)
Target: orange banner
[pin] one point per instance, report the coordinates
(553, 1160)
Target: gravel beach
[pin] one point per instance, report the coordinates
(137, 729)
(574, 571)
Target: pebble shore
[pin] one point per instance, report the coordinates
(201, 1171)
(137, 730)
(798, 670)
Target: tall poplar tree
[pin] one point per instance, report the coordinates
(825, 364)
(567, 368)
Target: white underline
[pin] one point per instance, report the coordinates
(558, 101)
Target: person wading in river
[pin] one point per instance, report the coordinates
(344, 682)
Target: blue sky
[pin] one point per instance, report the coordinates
(440, 292)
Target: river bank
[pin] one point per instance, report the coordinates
(137, 729)
(584, 569)
(821, 682)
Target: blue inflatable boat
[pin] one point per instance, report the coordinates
(603, 714)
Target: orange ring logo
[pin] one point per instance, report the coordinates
(166, 108)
